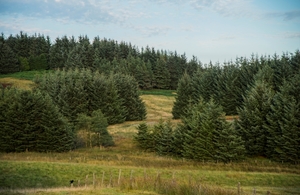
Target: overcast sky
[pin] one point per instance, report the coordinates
(216, 30)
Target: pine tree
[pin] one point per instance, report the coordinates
(143, 138)
(207, 136)
(129, 94)
(184, 91)
(252, 118)
(229, 145)
(33, 123)
(161, 74)
(228, 89)
(163, 136)
(8, 60)
(204, 83)
(283, 122)
(102, 94)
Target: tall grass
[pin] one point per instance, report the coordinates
(31, 174)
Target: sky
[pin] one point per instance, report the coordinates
(211, 30)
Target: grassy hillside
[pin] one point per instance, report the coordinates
(124, 169)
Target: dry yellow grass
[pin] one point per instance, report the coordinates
(158, 108)
(22, 84)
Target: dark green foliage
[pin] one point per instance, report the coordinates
(95, 127)
(128, 92)
(252, 118)
(151, 68)
(206, 135)
(24, 64)
(143, 137)
(59, 52)
(157, 138)
(38, 62)
(176, 66)
(8, 60)
(84, 91)
(163, 136)
(184, 91)
(229, 89)
(204, 83)
(229, 145)
(283, 119)
(29, 121)
(203, 134)
(102, 94)
(161, 74)
(81, 56)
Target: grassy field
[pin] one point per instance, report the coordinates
(124, 169)
(25, 75)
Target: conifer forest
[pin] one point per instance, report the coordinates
(93, 83)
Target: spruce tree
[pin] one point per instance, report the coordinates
(283, 122)
(163, 136)
(183, 96)
(204, 83)
(143, 138)
(228, 88)
(207, 136)
(252, 118)
(229, 145)
(33, 123)
(161, 74)
(8, 60)
(128, 92)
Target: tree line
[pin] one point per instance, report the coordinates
(151, 68)
(263, 92)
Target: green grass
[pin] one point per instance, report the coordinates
(25, 75)
(169, 93)
(35, 175)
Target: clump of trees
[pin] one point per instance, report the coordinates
(84, 91)
(30, 121)
(263, 92)
(67, 109)
(204, 134)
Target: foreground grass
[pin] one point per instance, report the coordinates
(56, 173)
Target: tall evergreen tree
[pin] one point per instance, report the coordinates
(128, 91)
(228, 88)
(184, 91)
(163, 136)
(205, 130)
(8, 60)
(204, 83)
(283, 122)
(143, 137)
(252, 118)
(32, 122)
(161, 74)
